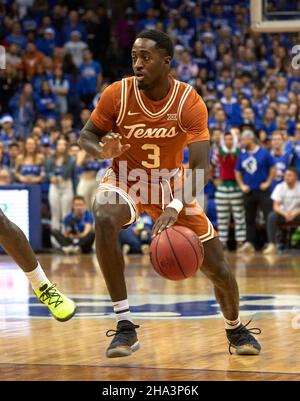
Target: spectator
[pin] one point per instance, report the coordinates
(293, 147)
(29, 167)
(46, 44)
(60, 170)
(199, 57)
(14, 151)
(78, 235)
(269, 124)
(9, 84)
(16, 36)
(72, 25)
(283, 115)
(286, 207)
(229, 198)
(76, 47)
(13, 56)
(59, 86)
(90, 78)
(22, 107)
(32, 57)
(185, 33)
(4, 156)
(5, 176)
(187, 69)
(46, 102)
(255, 171)
(231, 107)
(282, 158)
(85, 114)
(7, 133)
(210, 49)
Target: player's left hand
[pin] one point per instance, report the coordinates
(166, 219)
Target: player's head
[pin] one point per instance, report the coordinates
(152, 53)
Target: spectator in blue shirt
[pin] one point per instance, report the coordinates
(269, 122)
(293, 147)
(78, 235)
(73, 25)
(185, 34)
(231, 107)
(46, 44)
(281, 157)
(210, 49)
(283, 117)
(150, 21)
(16, 36)
(90, 78)
(199, 57)
(282, 94)
(46, 102)
(255, 172)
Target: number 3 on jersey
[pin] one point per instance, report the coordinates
(154, 156)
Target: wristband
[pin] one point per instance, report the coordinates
(176, 204)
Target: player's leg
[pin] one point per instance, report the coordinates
(13, 240)
(226, 290)
(109, 219)
(219, 273)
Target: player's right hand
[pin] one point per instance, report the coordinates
(111, 146)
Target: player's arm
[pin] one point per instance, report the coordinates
(90, 136)
(96, 137)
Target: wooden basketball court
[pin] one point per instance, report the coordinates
(182, 333)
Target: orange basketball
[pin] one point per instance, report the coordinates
(176, 253)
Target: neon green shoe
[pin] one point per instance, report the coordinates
(61, 307)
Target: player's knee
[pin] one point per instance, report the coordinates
(104, 220)
(219, 274)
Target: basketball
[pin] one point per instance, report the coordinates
(176, 253)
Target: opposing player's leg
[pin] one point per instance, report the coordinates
(110, 215)
(13, 240)
(225, 286)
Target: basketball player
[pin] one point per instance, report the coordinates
(147, 120)
(13, 240)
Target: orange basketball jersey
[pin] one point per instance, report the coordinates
(157, 131)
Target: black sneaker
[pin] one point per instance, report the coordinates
(125, 340)
(243, 341)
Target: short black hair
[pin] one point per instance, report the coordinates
(162, 40)
(293, 170)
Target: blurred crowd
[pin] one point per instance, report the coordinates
(60, 55)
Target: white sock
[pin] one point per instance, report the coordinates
(121, 309)
(37, 277)
(232, 324)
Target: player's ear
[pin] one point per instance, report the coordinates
(167, 60)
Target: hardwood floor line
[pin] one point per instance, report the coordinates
(149, 368)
